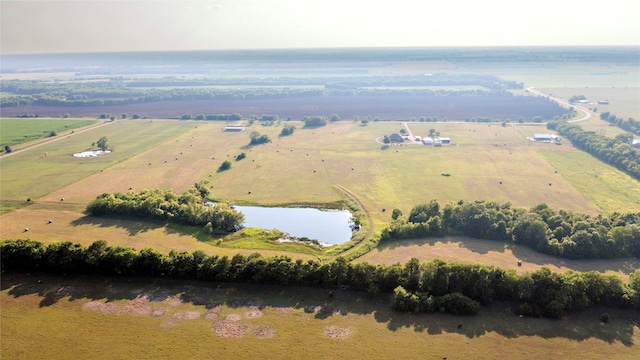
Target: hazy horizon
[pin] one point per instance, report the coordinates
(71, 26)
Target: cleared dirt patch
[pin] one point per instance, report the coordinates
(284, 311)
(229, 329)
(105, 308)
(335, 332)
(189, 315)
(263, 332)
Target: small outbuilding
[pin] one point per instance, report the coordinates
(234, 128)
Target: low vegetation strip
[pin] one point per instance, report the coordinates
(616, 152)
(186, 209)
(559, 233)
(451, 287)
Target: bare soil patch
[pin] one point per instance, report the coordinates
(229, 329)
(188, 315)
(105, 308)
(284, 311)
(263, 332)
(335, 332)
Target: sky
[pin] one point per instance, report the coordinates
(53, 26)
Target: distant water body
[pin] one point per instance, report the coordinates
(185, 61)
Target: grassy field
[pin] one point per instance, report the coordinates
(18, 131)
(476, 251)
(304, 168)
(51, 166)
(107, 318)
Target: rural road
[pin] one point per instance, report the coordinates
(58, 138)
(586, 112)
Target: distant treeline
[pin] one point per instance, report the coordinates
(614, 151)
(559, 233)
(418, 286)
(120, 91)
(631, 125)
(234, 116)
(187, 208)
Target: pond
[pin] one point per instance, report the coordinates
(330, 227)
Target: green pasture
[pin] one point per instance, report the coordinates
(607, 188)
(106, 318)
(41, 170)
(18, 131)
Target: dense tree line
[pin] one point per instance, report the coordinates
(418, 286)
(189, 208)
(614, 151)
(631, 125)
(121, 91)
(560, 233)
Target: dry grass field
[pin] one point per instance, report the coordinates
(476, 251)
(300, 169)
(105, 318)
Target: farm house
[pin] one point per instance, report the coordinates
(427, 141)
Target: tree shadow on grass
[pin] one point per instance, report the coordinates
(528, 255)
(306, 303)
(478, 246)
(132, 227)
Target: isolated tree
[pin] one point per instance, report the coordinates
(335, 118)
(123, 116)
(226, 165)
(103, 143)
(7, 149)
(257, 139)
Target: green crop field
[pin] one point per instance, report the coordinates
(18, 131)
(105, 318)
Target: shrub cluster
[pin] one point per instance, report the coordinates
(560, 233)
(425, 286)
(187, 208)
(631, 125)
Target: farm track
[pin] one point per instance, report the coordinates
(586, 112)
(91, 128)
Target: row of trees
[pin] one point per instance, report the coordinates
(187, 208)
(614, 151)
(425, 286)
(631, 125)
(559, 233)
(234, 117)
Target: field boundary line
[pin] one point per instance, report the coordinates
(58, 138)
(352, 196)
